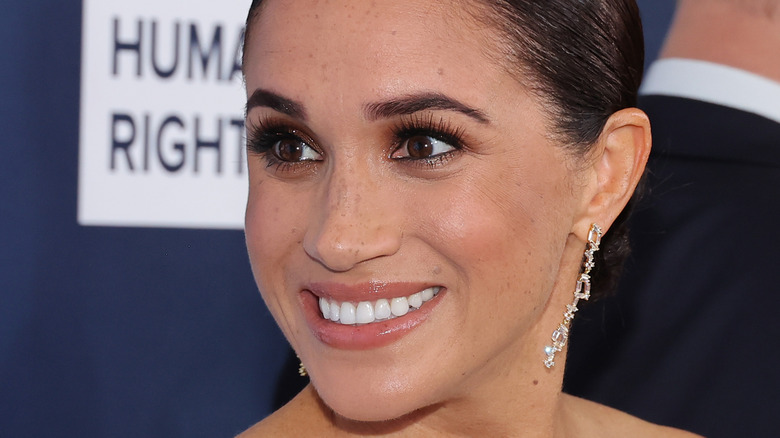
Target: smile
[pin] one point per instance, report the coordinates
(366, 312)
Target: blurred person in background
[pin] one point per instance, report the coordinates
(690, 339)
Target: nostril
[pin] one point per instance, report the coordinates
(354, 222)
(341, 248)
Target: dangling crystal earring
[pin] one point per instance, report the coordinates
(582, 292)
(301, 369)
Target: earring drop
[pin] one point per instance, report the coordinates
(581, 292)
(301, 369)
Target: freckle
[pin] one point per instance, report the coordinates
(536, 382)
(393, 32)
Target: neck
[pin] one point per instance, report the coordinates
(744, 34)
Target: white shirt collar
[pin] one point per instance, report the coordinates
(713, 83)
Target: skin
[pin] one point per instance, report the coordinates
(739, 33)
(501, 224)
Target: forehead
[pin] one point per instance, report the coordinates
(355, 20)
(382, 47)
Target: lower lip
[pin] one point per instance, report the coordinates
(365, 336)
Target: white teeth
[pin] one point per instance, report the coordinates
(415, 300)
(335, 311)
(399, 306)
(325, 308)
(366, 312)
(347, 313)
(381, 309)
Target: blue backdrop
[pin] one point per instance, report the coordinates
(121, 332)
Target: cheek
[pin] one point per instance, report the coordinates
(497, 227)
(261, 214)
(271, 238)
(271, 213)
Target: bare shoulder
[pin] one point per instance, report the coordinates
(297, 418)
(593, 419)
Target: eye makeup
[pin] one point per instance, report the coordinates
(423, 140)
(281, 145)
(439, 133)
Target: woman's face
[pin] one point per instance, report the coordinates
(390, 155)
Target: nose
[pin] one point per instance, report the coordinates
(354, 222)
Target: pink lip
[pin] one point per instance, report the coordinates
(368, 336)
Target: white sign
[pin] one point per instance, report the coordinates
(162, 102)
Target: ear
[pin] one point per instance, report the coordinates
(616, 165)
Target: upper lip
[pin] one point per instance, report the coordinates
(368, 291)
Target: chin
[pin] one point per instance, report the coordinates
(368, 413)
(374, 403)
(373, 412)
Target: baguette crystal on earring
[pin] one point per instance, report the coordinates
(301, 369)
(582, 292)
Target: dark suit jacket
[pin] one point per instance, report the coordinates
(692, 337)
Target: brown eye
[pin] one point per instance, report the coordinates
(422, 147)
(293, 150)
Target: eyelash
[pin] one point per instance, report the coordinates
(262, 136)
(429, 126)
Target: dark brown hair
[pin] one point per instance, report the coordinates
(584, 59)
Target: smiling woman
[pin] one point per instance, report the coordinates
(429, 183)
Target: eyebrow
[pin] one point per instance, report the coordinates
(269, 99)
(373, 111)
(420, 102)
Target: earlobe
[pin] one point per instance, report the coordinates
(619, 163)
